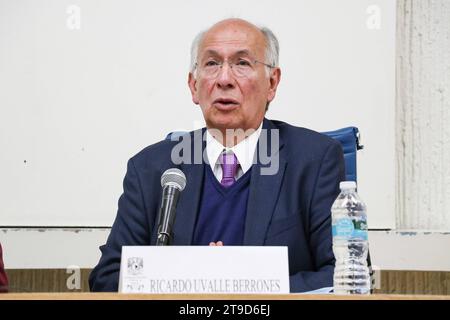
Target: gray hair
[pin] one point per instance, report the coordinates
(272, 48)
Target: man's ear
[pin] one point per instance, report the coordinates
(192, 82)
(274, 80)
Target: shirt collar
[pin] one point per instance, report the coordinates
(244, 150)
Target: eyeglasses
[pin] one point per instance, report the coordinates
(241, 68)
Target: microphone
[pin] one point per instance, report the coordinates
(173, 182)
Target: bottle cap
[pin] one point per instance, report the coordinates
(346, 185)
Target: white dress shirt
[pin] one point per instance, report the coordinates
(244, 151)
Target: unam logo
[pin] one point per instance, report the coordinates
(135, 266)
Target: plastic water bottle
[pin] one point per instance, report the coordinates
(350, 242)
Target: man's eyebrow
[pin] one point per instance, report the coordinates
(243, 52)
(211, 52)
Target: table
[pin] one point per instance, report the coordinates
(119, 296)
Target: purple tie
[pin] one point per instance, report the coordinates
(229, 165)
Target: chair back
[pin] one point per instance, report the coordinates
(349, 138)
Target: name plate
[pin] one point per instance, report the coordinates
(204, 269)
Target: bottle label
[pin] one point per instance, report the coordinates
(345, 229)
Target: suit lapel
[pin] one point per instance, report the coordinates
(264, 189)
(189, 202)
(263, 193)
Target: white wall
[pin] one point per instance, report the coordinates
(81, 96)
(60, 248)
(423, 115)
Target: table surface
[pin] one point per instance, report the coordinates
(119, 296)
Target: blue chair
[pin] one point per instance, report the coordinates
(348, 138)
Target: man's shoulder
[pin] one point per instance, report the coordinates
(159, 152)
(301, 138)
(158, 148)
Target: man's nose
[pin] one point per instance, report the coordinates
(225, 78)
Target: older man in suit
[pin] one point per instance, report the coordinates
(259, 181)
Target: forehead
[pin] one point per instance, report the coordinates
(233, 39)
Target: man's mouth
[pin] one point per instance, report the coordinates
(225, 104)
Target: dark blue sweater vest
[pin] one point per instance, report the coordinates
(222, 211)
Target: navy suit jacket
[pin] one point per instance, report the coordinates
(290, 208)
